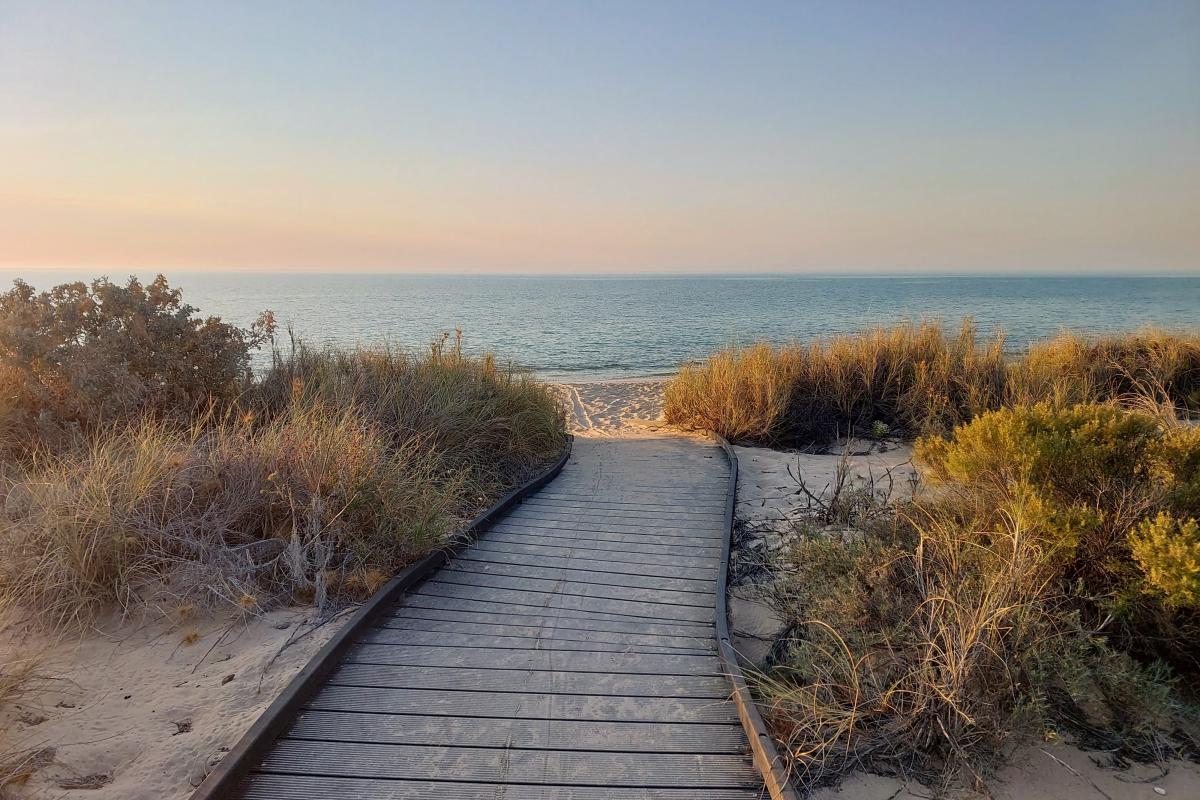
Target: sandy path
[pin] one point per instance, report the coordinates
(620, 409)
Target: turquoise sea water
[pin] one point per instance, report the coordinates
(587, 328)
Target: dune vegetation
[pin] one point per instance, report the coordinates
(916, 379)
(144, 461)
(1043, 581)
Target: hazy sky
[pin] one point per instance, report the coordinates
(601, 136)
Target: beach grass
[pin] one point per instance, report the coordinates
(915, 379)
(312, 482)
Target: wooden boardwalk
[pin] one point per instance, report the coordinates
(569, 653)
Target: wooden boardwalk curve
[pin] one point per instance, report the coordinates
(569, 653)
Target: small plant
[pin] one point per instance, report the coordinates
(879, 429)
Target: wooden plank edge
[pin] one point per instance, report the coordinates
(250, 749)
(766, 757)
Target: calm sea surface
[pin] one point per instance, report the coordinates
(586, 328)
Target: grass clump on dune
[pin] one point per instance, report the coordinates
(915, 379)
(314, 481)
(1048, 582)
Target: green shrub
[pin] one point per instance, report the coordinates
(1085, 467)
(1176, 465)
(1168, 552)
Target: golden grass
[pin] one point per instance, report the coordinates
(337, 468)
(915, 378)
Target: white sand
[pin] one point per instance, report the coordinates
(142, 715)
(1056, 771)
(615, 409)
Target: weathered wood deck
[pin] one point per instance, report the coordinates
(569, 653)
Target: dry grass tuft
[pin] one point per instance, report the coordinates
(916, 379)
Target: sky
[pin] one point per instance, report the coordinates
(585, 137)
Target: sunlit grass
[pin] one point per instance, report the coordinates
(915, 379)
(337, 467)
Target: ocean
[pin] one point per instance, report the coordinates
(577, 328)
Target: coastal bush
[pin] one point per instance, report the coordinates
(915, 379)
(1048, 580)
(83, 355)
(314, 481)
(1168, 552)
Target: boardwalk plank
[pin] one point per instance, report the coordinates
(531, 658)
(549, 633)
(308, 787)
(508, 764)
(479, 555)
(664, 527)
(384, 676)
(522, 705)
(494, 641)
(552, 619)
(577, 587)
(630, 609)
(694, 509)
(617, 542)
(483, 605)
(529, 734)
(621, 555)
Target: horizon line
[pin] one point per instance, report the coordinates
(816, 274)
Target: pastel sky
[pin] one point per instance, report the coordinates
(581, 137)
